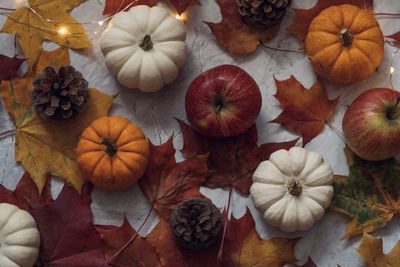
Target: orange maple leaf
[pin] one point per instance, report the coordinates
(303, 18)
(244, 247)
(236, 36)
(304, 111)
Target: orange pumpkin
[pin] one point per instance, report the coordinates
(112, 153)
(345, 44)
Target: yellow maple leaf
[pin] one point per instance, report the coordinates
(47, 147)
(371, 250)
(45, 20)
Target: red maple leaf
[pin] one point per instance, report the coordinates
(235, 35)
(304, 17)
(231, 160)
(395, 37)
(9, 66)
(26, 194)
(304, 111)
(156, 249)
(166, 183)
(68, 237)
(139, 252)
(114, 6)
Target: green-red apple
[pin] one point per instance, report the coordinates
(371, 125)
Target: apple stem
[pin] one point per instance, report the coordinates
(221, 247)
(8, 132)
(393, 111)
(118, 253)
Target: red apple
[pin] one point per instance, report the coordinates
(371, 125)
(223, 101)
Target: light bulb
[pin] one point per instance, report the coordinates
(62, 31)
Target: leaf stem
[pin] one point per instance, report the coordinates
(221, 247)
(283, 49)
(386, 14)
(116, 254)
(8, 9)
(5, 133)
(336, 130)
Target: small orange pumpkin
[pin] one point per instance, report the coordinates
(345, 44)
(112, 153)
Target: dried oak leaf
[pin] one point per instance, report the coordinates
(114, 6)
(304, 17)
(26, 193)
(9, 66)
(140, 252)
(47, 147)
(166, 183)
(41, 22)
(304, 111)
(68, 237)
(371, 250)
(235, 35)
(233, 160)
(244, 247)
(370, 195)
(395, 37)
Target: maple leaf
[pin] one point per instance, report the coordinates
(114, 6)
(244, 247)
(232, 160)
(370, 195)
(140, 252)
(235, 35)
(68, 237)
(304, 17)
(166, 183)
(41, 22)
(395, 37)
(181, 5)
(309, 263)
(47, 147)
(9, 66)
(26, 194)
(304, 111)
(371, 250)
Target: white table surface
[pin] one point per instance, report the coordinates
(155, 113)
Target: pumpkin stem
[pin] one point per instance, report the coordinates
(146, 43)
(111, 148)
(294, 187)
(346, 37)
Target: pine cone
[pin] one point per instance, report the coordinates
(196, 223)
(60, 94)
(263, 13)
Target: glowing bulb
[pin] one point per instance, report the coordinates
(391, 70)
(101, 22)
(62, 31)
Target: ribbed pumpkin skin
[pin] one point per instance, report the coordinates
(336, 61)
(117, 171)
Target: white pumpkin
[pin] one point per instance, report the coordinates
(292, 189)
(144, 47)
(19, 237)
